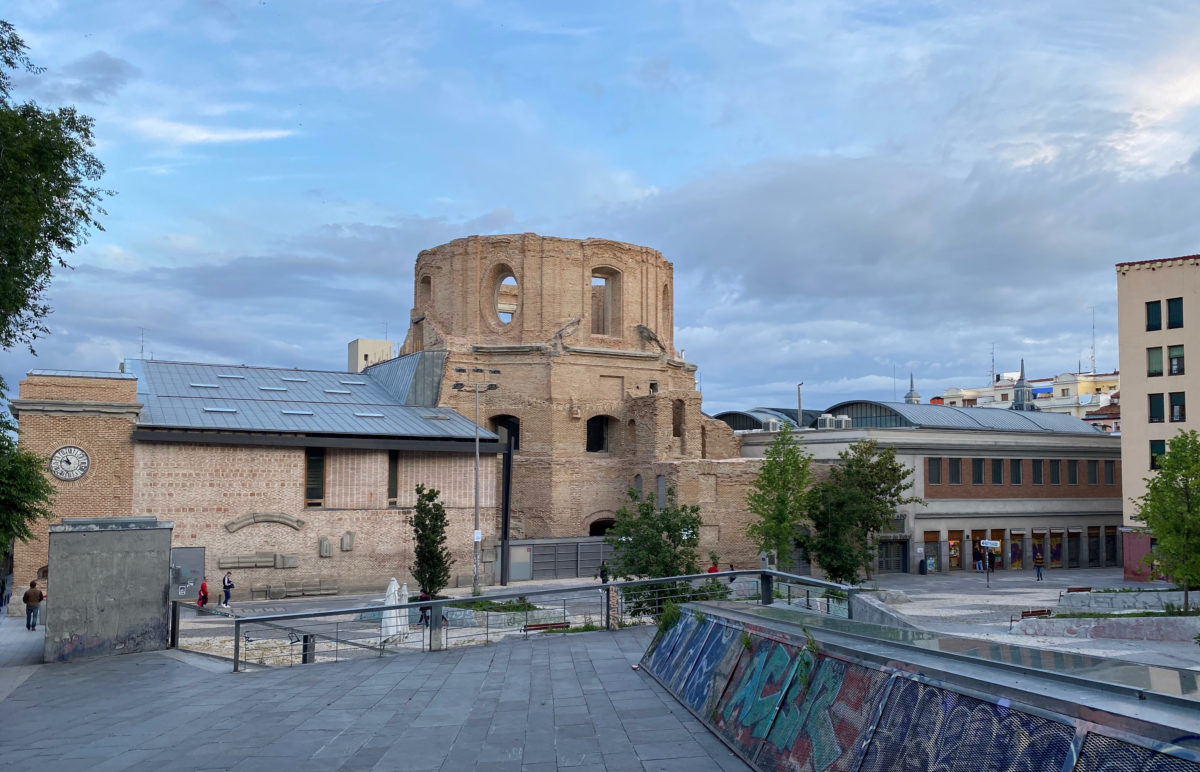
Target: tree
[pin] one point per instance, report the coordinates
(47, 202)
(432, 561)
(25, 491)
(779, 497)
(1170, 507)
(858, 500)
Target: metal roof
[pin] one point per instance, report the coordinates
(879, 414)
(182, 395)
(83, 374)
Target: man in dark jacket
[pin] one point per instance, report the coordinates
(33, 602)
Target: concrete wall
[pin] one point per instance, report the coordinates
(111, 587)
(1182, 629)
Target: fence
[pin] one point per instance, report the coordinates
(370, 631)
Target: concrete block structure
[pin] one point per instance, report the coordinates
(1157, 306)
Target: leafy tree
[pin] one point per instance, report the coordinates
(857, 500)
(25, 491)
(779, 497)
(1171, 510)
(47, 202)
(432, 561)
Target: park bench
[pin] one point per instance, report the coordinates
(545, 626)
(1074, 589)
(1028, 614)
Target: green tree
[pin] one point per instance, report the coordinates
(1170, 508)
(48, 203)
(25, 491)
(857, 500)
(779, 497)
(432, 561)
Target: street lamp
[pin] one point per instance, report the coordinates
(476, 387)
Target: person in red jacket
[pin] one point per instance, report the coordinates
(203, 600)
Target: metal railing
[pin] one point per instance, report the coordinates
(334, 635)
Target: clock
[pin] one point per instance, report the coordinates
(69, 463)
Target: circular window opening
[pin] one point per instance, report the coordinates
(507, 296)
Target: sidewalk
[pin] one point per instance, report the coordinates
(20, 651)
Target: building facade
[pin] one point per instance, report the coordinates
(1155, 299)
(1071, 393)
(1033, 482)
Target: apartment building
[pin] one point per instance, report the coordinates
(1075, 394)
(1154, 300)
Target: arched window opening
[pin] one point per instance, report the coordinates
(508, 427)
(424, 293)
(637, 483)
(601, 527)
(606, 302)
(660, 486)
(666, 308)
(598, 434)
(677, 418)
(507, 297)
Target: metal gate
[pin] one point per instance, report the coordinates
(1072, 550)
(564, 558)
(893, 556)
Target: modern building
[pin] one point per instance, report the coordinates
(1153, 302)
(1071, 393)
(1029, 480)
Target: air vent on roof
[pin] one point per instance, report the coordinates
(825, 421)
(337, 391)
(220, 410)
(353, 383)
(370, 415)
(239, 377)
(205, 385)
(272, 388)
(296, 412)
(296, 380)
(436, 417)
(842, 422)
(770, 425)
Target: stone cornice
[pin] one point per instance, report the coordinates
(74, 407)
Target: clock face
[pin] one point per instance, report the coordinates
(69, 463)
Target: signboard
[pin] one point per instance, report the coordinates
(989, 543)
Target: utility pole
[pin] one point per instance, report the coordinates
(476, 386)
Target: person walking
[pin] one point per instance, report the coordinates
(202, 600)
(226, 585)
(1039, 562)
(977, 556)
(603, 572)
(33, 602)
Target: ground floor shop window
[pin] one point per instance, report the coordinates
(1056, 550)
(955, 544)
(1016, 550)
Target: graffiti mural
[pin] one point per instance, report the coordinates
(822, 724)
(687, 652)
(925, 727)
(755, 688)
(705, 684)
(660, 660)
(1105, 754)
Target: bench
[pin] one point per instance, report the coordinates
(1028, 614)
(545, 626)
(1074, 589)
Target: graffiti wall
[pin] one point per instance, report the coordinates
(782, 704)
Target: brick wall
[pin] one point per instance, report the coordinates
(1027, 489)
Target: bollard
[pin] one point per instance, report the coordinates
(435, 628)
(308, 649)
(766, 592)
(237, 642)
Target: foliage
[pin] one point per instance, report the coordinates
(25, 491)
(498, 606)
(431, 567)
(778, 497)
(859, 499)
(669, 616)
(47, 204)
(586, 627)
(1171, 510)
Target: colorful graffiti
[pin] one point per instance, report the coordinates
(705, 684)
(756, 687)
(1106, 754)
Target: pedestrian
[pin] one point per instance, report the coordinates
(603, 572)
(1038, 563)
(425, 610)
(977, 556)
(227, 585)
(713, 568)
(731, 577)
(33, 603)
(202, 600)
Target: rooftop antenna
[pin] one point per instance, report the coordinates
(893, 381)
(142, 348)
(993, 381)
(1093, 340)
(385, 325)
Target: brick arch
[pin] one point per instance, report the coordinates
(238, 523)
(597, 518)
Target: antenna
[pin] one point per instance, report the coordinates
(893, 381)
(142, 348)
(993, 381)
(1093, 340)
(385, 325)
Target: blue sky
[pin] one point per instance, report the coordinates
(847, 190)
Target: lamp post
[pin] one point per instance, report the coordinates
(476, 386)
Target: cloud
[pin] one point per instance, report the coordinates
(189, 134)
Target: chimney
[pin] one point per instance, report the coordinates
(799, 407)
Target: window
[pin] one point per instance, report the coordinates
(392, 474)
(997, 471)
(934, 475)
(977, 471)
(1178, 408)
(1055, 472)
(637, 483)
(1174, 313)
(1156, 408)
(606, 302)
(955, 471)
(1004, 397)
(1154, 362)
(1110, 472)
(1154, 315)
(1072, 472)
(1014, 471)
(1093, 472)
(597, 434)
(1065, 392)
(1175, 360)
(660, 487)
(677, 418)
(1158, 449)
(1037, 471)
(314, 477)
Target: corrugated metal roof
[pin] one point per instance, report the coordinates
(180, 395)
(993, 419)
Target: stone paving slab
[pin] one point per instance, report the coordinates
(562, 702)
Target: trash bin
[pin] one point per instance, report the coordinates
(924, 567)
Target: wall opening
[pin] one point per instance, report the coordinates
(599, 434)
(507, 297)
(424, 294)
(507, 426)
(606, 302)
(601, 527)
(677, 418)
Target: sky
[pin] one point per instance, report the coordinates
(849, 191)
